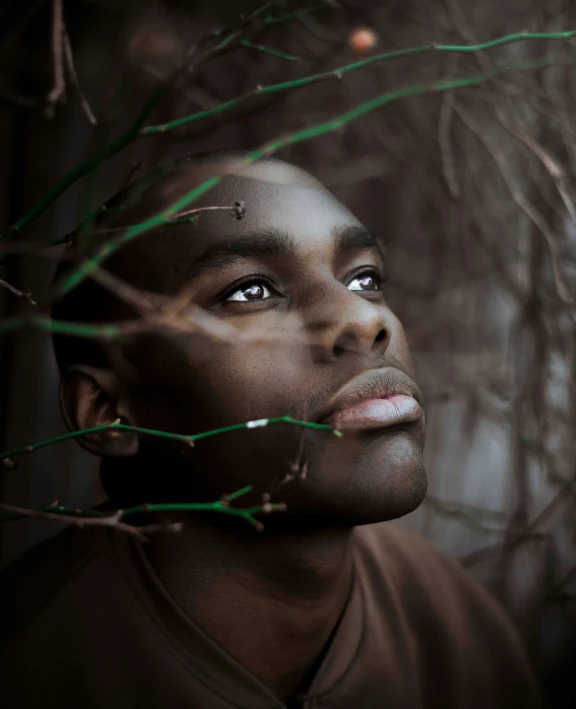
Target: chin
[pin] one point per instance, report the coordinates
(400, 497)
(386, 477)
(376, 479)
(372, 503)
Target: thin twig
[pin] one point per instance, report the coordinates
(58, 91)
(175, 312)
(444, 139)
(553, 168)
(466, 515)
(70, 66)
(25, 296)
(238, 211)
(182, 438)
(269, 50)
(112, 520)
(531, 212)
(84, 518)
(179, 315)
(299, 467)
(220, 330)
(10, 250)
(143, 301)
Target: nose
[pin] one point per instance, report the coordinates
(344, 321)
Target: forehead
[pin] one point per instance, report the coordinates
(277, 196)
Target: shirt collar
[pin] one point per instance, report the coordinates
(206, 661)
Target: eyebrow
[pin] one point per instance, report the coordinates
(273, 243)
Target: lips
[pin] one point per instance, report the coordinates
(378, 398)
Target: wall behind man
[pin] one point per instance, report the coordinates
(469, 190)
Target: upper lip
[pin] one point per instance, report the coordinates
(373, 384)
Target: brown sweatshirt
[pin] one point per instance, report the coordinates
(86, 623)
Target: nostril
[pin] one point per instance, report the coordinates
(345, 343)
(380, 336)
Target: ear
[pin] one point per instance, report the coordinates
(90, 396)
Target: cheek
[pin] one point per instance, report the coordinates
(253, 382)
(188, 383)
(190, 389)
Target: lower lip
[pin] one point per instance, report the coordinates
(378, 413)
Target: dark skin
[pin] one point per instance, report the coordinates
(308, 275)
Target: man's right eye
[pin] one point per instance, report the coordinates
(250, 291)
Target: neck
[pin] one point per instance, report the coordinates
(271, 600)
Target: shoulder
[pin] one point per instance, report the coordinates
(460, 631)
(428, 578)
(31, 581)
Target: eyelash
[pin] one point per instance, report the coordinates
(380, 278)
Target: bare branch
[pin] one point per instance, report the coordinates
(70, 66)
(112, 520)
(188, 440)
(58, 92)
(70, 281)
(137, 130)
(444, 127)
(85, 518)
(552, 166)
(531, 212)
(19, 293)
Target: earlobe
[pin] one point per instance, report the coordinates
(90, 397)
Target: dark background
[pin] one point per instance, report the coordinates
(472, 191)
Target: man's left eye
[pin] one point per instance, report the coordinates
(369, 281)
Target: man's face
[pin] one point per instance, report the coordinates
(299, 269)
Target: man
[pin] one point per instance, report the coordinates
(330, 606)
